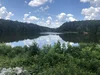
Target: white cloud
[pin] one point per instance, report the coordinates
(66, 17)
(91, 13)
(47, 7)
(85, 1)
(25, 16)
(72, 19)
(5, 14)
(70, 15)
(57, 23)
(32, 18)
(57, 20)
(28, 18)
(44, 8)
(49, 20)
(45, 21)
(61, 16)
(92, 2)
(36, 3)
(9, 15)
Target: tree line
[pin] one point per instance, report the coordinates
(90, 26)
(15, 27)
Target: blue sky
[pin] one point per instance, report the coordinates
(50, 13)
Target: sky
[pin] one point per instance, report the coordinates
(49, 13)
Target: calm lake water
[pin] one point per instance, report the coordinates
(47, 38)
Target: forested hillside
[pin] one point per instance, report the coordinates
(12, 27)
(91, 26)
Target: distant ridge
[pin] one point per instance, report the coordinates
(89, 26)
(15, 27)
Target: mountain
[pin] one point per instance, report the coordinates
(90, 26)
(15, 27)
(8, 27)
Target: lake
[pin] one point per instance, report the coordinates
(47, 38)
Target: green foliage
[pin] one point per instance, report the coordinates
(34, 49)
(8, 27)
(90, 26)
(53, 60)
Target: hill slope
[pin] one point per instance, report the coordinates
(15, 27)
(12, 27)
(92, 26)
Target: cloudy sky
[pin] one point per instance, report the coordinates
(50, 13)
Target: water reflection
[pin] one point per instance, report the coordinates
(80, 38)
(48, 38)
(41, 41)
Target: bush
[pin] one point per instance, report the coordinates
(53, 60)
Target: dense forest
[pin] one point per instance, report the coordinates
(14, 27)
(52, 60)
(90, 26)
